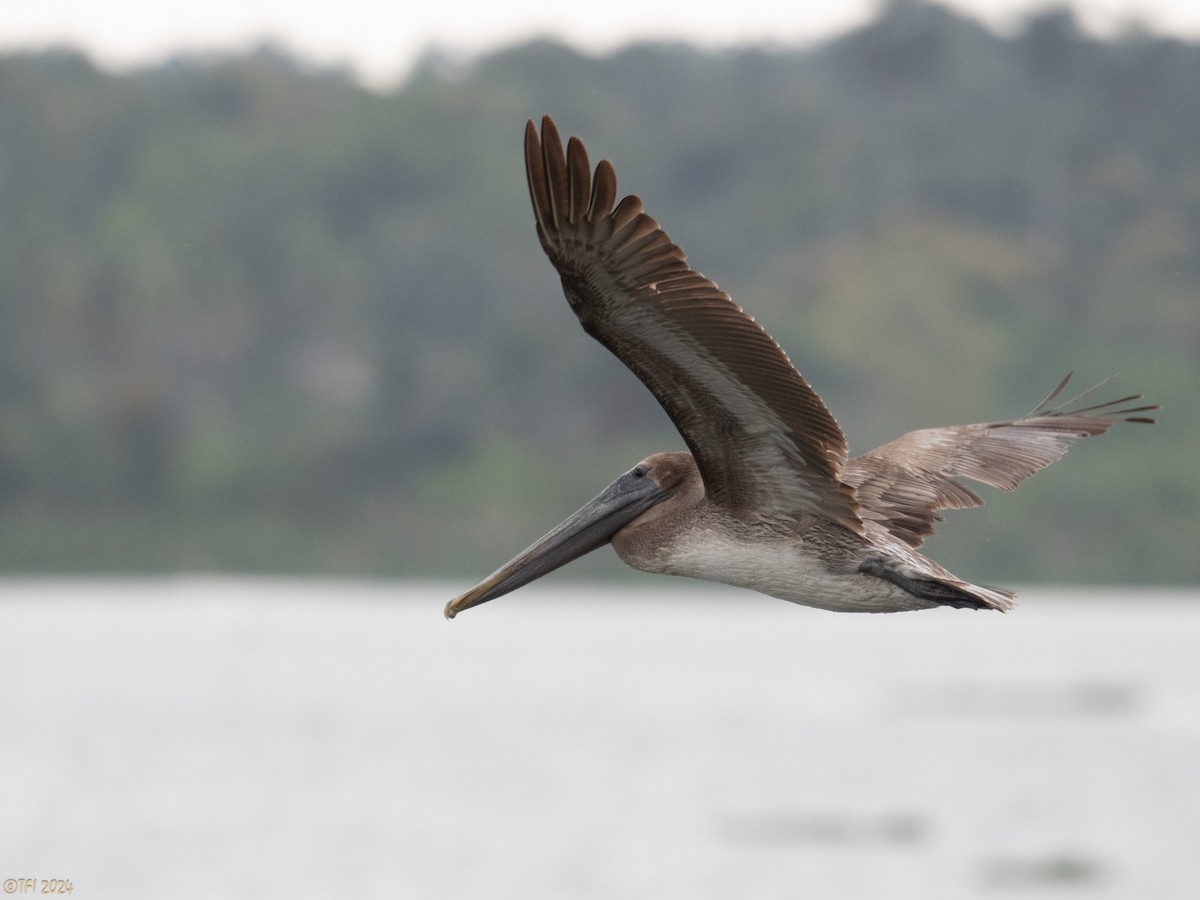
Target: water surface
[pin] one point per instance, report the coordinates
(234, 739)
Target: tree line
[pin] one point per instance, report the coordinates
(257, 317)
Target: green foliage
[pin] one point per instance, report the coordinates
(256, 317)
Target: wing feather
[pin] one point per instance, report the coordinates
(904, 483)
(764, 441)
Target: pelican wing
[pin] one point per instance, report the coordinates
(763, 440)
(903, 484)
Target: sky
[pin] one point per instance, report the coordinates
(381, 40)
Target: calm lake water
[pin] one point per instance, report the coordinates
(242, 739)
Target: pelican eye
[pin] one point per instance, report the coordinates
(641, 471)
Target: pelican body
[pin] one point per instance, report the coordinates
(768, 497)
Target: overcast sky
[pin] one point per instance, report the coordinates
(381, 40)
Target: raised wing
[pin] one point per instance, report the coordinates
(904, 483)
(763, 440)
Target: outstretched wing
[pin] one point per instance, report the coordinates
(904, 483)
(763, 440)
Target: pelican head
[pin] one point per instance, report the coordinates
(630, 500)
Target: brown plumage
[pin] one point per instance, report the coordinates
(904, 483)
(761, 436)
(768, 498)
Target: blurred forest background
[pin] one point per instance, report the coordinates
(258, 318)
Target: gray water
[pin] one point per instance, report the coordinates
(242, 739)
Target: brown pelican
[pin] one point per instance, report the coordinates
(768, 498)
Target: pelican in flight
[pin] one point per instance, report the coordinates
(768, 498)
